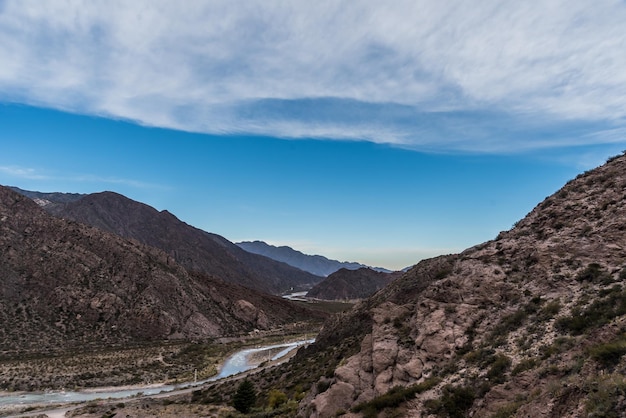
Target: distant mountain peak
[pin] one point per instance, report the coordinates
(315, 264)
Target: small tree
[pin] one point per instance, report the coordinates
(245, 397)
(276, 398)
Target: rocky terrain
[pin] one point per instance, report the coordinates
(347, 284)
(315, 264)
(68, 286)
(530, 324)
(46, 199)
(194, 249)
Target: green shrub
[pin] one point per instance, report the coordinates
(608, 354)
(524, 365)
(549, 311)
(276, 398)
(500, 365)
(508, 324)
(454, 402)
(322, 386)
(594, 273)
(507, 411)
(482, 357)
(604, 395)
(394, 397)
(598, 313)
(613, 289)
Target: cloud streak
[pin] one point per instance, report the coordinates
(23, 173)
(491, 77)
(34, 174)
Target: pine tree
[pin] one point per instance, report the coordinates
(245, 397)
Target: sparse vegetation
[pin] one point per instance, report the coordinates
(497, 370)
(522, 366)
(506, 325)
(146, 363)
(453, 403)
(394, 397)
(598, 313)
(594, 273)
(605, 396)
(508, 410)
(609, 354)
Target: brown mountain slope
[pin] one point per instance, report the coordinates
(347, 284)
(531, 324)
(65, 284)
(193, 248)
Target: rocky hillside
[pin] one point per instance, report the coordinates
(531, 324)
(347, 284)
(65, 284)
(45, 199)
(315, 264)
(193, 248)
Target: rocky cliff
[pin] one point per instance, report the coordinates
(64, 284)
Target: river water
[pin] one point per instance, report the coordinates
(237, 363)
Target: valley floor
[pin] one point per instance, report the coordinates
(137, 367)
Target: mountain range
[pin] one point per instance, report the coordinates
(193, 248)
(66, 285)
(529, 324)
(314, 264)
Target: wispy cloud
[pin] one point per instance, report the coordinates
(426, 74)
(23, 173)
(26, 173)
(116, 181)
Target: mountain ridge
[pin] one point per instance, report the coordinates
(66, 284)
(315, 264)
(195, 249)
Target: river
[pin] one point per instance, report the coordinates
(239, 362)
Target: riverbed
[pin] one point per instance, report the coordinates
(239, 362)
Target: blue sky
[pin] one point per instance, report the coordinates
(363, 131)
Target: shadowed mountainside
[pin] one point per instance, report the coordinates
(193, 248)
(347, 284)
(65, 284)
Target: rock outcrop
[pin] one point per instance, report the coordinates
(531, 324)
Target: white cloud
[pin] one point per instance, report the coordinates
(23, 173)
(27, 173)
(212, 66)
